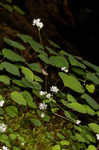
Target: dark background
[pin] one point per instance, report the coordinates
(73, 24)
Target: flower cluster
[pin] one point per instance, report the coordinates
(4, 148)
(54, 89)
(97, 136)
(64, 69)
(1, 103)
(43, 93)
(78, 122)
(42, 106)
(3, 127)
(36, 22)
(48, 95)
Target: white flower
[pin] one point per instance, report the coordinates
(5, 148)
(43, 93)
(38, 23)
(42, 106)
(64, 69)
(48, 95)
(22, 144)
(3, 127)
(78, 122)
(42, 115)
(1, 103)
(97, 135)
(54, 89)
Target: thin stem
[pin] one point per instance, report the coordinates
(40, 37)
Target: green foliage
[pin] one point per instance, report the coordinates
(59, 61)
(9, 67)
(75, 62)
(81, 108)
(90, 101)
(75, 99)
(18, 98)
(92, 77)
(12, 111)
(27, 96)
(56, 147)
(36, 122)
(91, 147)
(27, 73)
(10, 55)
(90, 88)
(71, 82)
(5, 79)
(94, 127)
(14, 44)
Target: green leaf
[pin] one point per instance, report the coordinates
(90, 101)
(77, 107)
(71, 98)
(38, 79)
(79, 71)
(18, 98)
(44, 58)
(7, 6)
(59, 61)
(69, 116)
(13, 136)
(51, 51)
(60, 136)
(10, 55)
(25, 83)
(16, 148)
(91, 147)
(65, 142)
(28, 39)
(71, 82)
(1, 97)
(12, 111)
(84, 109)
(28, 74)
(27, 96)
(5, 140)
(1, 111)
(56, 147)
(14, 43)
(81, 138)
(94, 127)
(90, 65)
(35, 67)
(75, 62)
(53, 44)
(36, 122)
(11, 68)
(20, 11)
(92, 77)
(89, 110)
(5, 79)
(90, 88)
